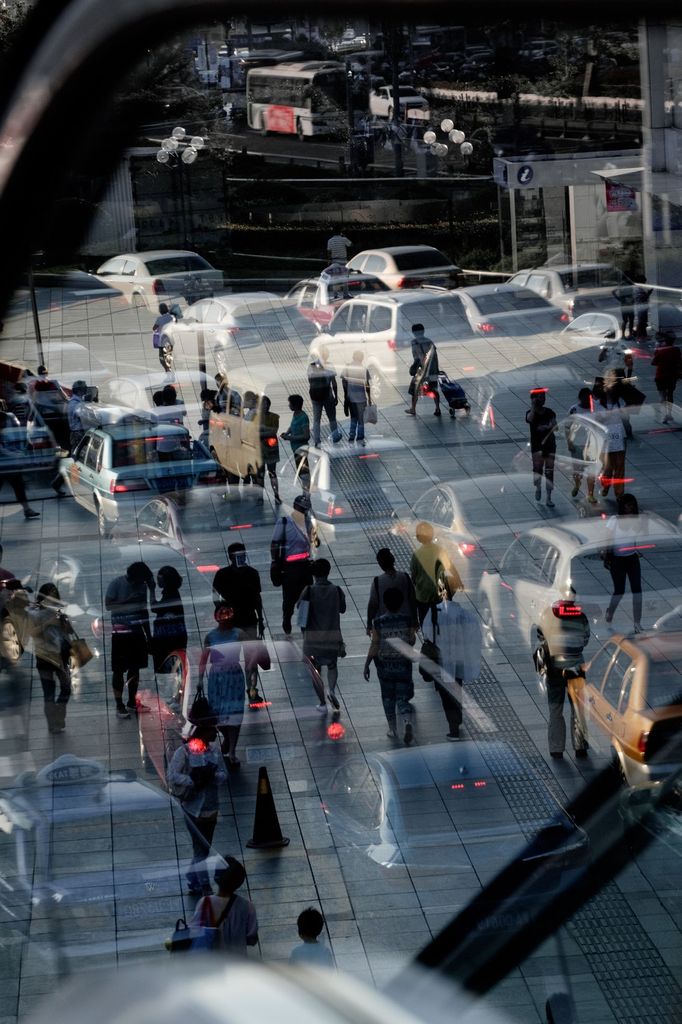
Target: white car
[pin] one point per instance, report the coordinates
(411, 103)
(575, 287)
(407, 266)
(505, 310)
(161, 275)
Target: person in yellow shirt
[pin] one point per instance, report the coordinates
(429, 564)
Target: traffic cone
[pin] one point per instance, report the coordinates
(266, 831)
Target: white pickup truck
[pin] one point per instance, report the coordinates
(412, 105)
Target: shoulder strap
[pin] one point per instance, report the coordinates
(226, 911)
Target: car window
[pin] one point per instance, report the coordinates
(176, 265)
(81, 451)
(582, 324)
(538, 551)
(520, 280)
(308, 295)
(628, 679)
(374, 265)
(423, 259)
(132, 266)
(509, 301)
(341, 320)
(516, 561)
(599, 665)
(358, 317)
(613, 684)
(199, 311)
(215, 313)
(426, 506)
(664, 684)
(443, 510)
(112, 267)
(592, 277)
(154, 516)
(539, 283)
(588, 577)
(93, 451)
(380, 319)
(357, 263)
(234, 404)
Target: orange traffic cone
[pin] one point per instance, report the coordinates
(266, 831)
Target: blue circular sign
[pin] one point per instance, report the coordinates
(525, 175)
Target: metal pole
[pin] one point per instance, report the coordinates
(34, 311)
(350, 114)
(395, 93)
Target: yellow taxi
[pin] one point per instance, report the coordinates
(631, 691)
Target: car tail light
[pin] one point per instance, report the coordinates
(124, 486)
(565, 318)
(642, 742)
(566, 609)
(392, 344)
(209, 478)
(232, 330)
(467, 549)
(158, 287)
(401, 283)
(335, 510)
(41, 442)
(485, 327)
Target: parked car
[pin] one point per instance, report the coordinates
(505, 310)
(552, 564)
(474, 520)
(412, 103)
(575, 288)
(407, 266)
(114, 466)
(631, 691)
(226, 325)
(148, 278)
(381, 326)
(71, 288)
(318, 298)
(443, 806)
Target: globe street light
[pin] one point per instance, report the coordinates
(176, 150)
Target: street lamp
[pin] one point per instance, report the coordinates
(454, 135)
(178, 149)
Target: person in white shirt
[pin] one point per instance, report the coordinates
(309, 951)
(613, 457)
(622, 557)
(338, 246)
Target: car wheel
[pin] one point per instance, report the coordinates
(488, 627)
(442, 585)
(10, 644)
(146, 760)
(377, 385)
(617, 768)
(175, 666)
(103, 525)
(137, 301)
(542, 660)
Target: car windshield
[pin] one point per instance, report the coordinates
(246, 448)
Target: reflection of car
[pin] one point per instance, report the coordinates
(27, 448)
(114, 466)
(226, 324)
(318, 298)
(554, 567)
(444, 806)
(595, 326)
(148, 278)
(575, 288)
(502, 310)
(381, 102)
(475, 519)
(196, 527)
(631, 691)
(71, 288)
(407, 266)
(161, 730)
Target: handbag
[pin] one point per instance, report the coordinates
(342, 649)
(181, 939)
(201, 712)
(276, 574)
(429, 654)
(414, 367)
(371, 415)
(303, 611)
(80, 652)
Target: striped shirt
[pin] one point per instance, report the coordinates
(337, 247)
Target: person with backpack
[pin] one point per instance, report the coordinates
(194, 775)
(390, 631)
(232, 917)
(290, 551)
(320, 609)
(390, 578)
(324, 396)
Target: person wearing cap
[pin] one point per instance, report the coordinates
(290, 551)
(74, 413)
(424, 369)
(542, 423)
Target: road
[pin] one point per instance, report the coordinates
(625, 942)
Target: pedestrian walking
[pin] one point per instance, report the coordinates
(238, 585)
(356, 396)
(626, 296)
(320, 608)
(52, 634)
(13, 449)
(338, 246)
(74, 414)
(622, 559)
(431, 571)
(161, 341)
(195, 774)
(208, 406)
(390, 578)
(290, 551)
(424, 369)
(390, 632)
(127, 598)
(221, 397)
(269, 449)
(613, 456)
(542, 423)
(225, 683)
(459, 659)
(169, 632)
(310, 950)
(616, 354)
(668, 361)
(582, 444)
(323, 392)
(233, 915)
(298, 435)
(642, 296)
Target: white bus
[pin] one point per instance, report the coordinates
(302, 99)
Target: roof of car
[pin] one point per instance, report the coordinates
(493, 289)
(132, 431)
(242, 298)
(149, 254)
(396, 250)
(403, 296)
(563, 267)
(588, 532)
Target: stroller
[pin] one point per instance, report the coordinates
(454, 394)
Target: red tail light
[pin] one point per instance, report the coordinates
(209, 478)
(566, 609)
(232, 330)
(486, 328)
(125, 486)
(642, 742)
(302, 556)
(158, 287)
(401, 283)
(467, 549)
(335, 510)
(392, 344)
(565, 318)
(41, 442)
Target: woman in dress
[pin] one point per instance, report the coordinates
(169, 633)
(226, 684)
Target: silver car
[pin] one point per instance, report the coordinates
(148, 278)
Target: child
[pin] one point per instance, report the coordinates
(298, 435)
(309, 951)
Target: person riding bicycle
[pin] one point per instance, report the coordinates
(160, 339)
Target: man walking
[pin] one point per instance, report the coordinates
(429, 565)
(424, 369)
(290, 551)
(391, 578)
(238, 585)
(321, 624)
(298, 435)
(338, 246)
(390, 631)
(13, 446)
(542, 423)
(74, 411)
(127, 599)
(323, 395)
(356, 396)
(581, 444)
